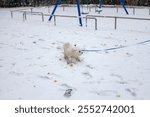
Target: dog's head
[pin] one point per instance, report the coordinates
(77, 50)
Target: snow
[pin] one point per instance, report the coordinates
(32, 64)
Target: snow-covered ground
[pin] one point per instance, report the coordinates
(32, 64)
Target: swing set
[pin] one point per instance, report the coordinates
(78, 9)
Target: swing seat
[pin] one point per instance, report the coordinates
(99, 10)
(84, 13)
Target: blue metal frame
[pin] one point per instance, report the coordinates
(79, 13)
(121, 2)
(58, 2)
(78, 8)
(124, 6)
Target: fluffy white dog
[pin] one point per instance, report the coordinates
(71, 53)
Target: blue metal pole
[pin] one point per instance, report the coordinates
(58, 2)
(124, 6)
(79, 13)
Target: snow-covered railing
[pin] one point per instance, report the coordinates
(133, 8)
(65, 16)
(20, 10)
(117, 17)
(138, 7)
(88, 17)
(129, 7)
(32, 13)
(89, 7)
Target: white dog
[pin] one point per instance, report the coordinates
(71, 53)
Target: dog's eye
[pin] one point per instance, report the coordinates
(75, 45)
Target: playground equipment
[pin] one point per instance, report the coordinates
(100, 2)
(121, 2)
(99, 7)
(78, 8)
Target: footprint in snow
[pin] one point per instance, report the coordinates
(122, 82)
(58, 48)
(129, 54)
(105, 92)
(44, 77)
(45, 48)
(90, 67)
(92, 82)
(3, 44)
(22, 49)
(117, 76)
(87, 74)
(132, 92)
(66, 86)
(68, 93)
(16, 73)
(68, 90)
(1, 59)
(41, 40)
(43, 66)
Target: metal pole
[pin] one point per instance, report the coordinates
(133, 10)
(42, 17)
(48, 9)
(58, 2)
(91, 18)
(86, 21)
(115, 23)
(95, 24)
(24, 16)
(63, 8)
(54, 20)
(124, 6)
(82, 8)
(90, 8)
(31, 9)
(149, 10)
(117, 9)
(87, 7)
(11, 14)
(79, 13)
